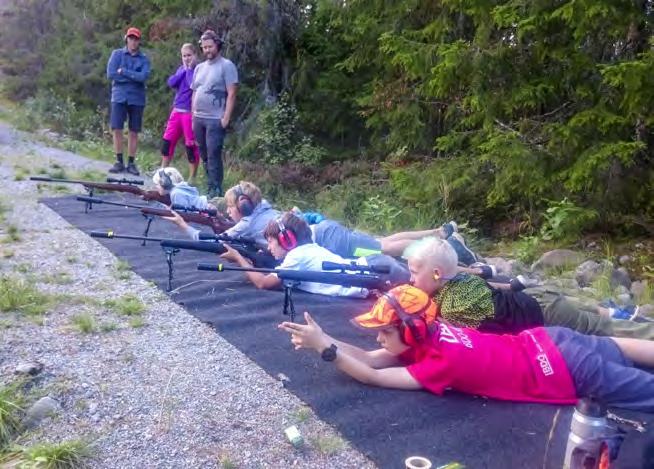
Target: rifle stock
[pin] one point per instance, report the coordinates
(218, 224)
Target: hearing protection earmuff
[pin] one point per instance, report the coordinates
(243, 201)
(212, 36)
(165, 181)
(286, 237)
(413, 328)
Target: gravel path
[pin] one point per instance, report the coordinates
(156, 389)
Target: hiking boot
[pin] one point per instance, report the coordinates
(448, 228)
(521, 282)
(118, 167)
(486, 270)
(466, 255)
(132, 169)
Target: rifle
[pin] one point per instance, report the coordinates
(354, 267)
(217, 223)
(171, 247)
(292, 278)
(114, 185)
(260, 258)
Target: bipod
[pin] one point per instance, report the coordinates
(150, 219)
(88, 205)
(288, 298)
(170, 252)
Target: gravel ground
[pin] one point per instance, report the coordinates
(156, 390)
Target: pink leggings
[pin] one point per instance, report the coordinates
(180, 123)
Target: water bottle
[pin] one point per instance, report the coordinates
(590, 435)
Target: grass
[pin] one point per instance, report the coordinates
(8, 253)
(16, 295)
(128, 305)
(137, 322)
(58, 278)
(122, 270)
(20, 173)
(302, 414)
(11, 403)
(3, 209)
(108, 326)
(225, 462)
(327, 444)
(84, 322)
(72, 260)
(12, 235)
(67, 455)
(602, 285)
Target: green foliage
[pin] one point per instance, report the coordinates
(66, 455)
(379, 215)
(565, 221)
(16, 295)
(128, 305)
(84, 322)
(11, 403)
(276, 137)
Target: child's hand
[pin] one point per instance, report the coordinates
(309, 335)
(175, 218)
(231, 254)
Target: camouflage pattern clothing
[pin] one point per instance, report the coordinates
(465, 301)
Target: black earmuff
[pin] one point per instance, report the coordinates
(165, 181)
(211, 35)
(243, 201)
(413, 328)
(286, 237)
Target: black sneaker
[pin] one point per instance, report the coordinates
(118, 167)
(132, 169)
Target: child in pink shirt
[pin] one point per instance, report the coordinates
(549, 365)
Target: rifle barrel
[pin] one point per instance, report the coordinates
(112, 235)
(183, 208)
(95, 200)
(122, 182)
(346, 280)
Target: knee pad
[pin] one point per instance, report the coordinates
(165, 147)
(190, 154)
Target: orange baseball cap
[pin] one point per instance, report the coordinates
(411, 299)
(133, 32)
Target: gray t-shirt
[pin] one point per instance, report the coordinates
(210, 82)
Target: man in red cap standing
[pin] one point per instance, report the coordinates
(128, 69)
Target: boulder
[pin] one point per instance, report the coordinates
(646, 311)
(29, 368)
(587, 272)
(504, 267)
(41, 409)
(557, 258)
(620, 276)
(638, 288)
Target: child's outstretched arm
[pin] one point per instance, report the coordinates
(311, 336)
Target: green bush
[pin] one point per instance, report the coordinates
(275, 137)
(564, 221)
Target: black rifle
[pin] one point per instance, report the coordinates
(250, 251)
(89, 201)
(115, 185)
(173, 246)
(292, 278)
(354, 267)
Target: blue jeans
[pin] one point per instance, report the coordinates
(599, 368)
(210, 136)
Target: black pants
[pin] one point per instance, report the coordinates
(210, 136)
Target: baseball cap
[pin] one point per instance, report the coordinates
(411, 299)
(133, 32)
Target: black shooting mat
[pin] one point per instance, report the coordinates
(386, 425)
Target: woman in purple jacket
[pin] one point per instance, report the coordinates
(180, 120)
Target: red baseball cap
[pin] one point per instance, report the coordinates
(411, 299)
(132, 31)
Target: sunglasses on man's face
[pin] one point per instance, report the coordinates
(133, 37)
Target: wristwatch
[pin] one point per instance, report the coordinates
(329, 354)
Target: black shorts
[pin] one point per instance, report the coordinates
(120, 111)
